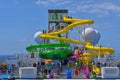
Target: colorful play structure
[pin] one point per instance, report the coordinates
(55, 43)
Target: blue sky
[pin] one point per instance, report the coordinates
(20, 19)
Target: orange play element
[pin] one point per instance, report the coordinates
(48, 60)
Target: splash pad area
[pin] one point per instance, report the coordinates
(81, 62)
(85, 60)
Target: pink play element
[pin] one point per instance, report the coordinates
(51, 76)
(3, 71)
(87, 72)
(82, 69)
(76, 54)
(85, 69)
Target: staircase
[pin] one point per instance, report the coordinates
(115, 63)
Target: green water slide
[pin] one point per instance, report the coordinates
(51, 51)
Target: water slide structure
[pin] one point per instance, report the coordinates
(60, 50)
(100, 51)
(77, 53)
(115, 62)
(88, 45)
(51, 51)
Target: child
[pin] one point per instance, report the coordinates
(94, 75)
(44, 76)
(51, 76)
(76, 72)
(69, 74)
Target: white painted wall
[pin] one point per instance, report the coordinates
(27, 72)
(110, 72)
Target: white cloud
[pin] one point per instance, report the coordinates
(42, 2)
(108, 6)
(63, 3)
(104, 8)
(54, 2)
(104, 24)
(118, 14)
(85, 6)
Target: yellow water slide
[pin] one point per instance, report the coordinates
(88, 45)
(75, 22)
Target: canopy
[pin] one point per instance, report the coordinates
(48, 60)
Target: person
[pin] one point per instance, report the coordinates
(50, 29)
(65, 62)
(34, 65)
(51, 76)
(87, 72)
(58, 71)
(69, 74)
(44, 76)
(49, 70)
(38, 69)
(12, 75)
(52, 69)
(8, 71)
(57, 26)
(93, 75)
(98, 64)
(60, 67)
(45, 71)
(76, 72)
